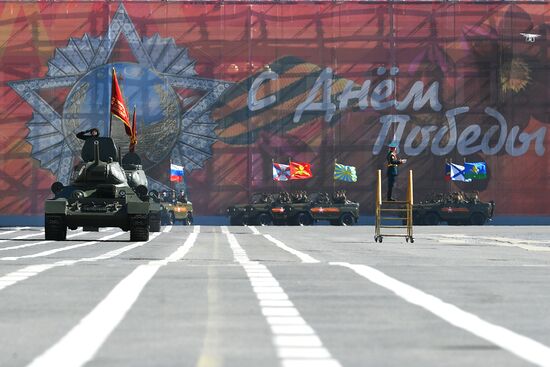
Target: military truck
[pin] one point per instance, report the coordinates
(304, 209)
(174, 210)
(457, 208)
(257, 212)
(99, 195)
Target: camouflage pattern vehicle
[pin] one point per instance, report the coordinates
(303, 209)
(257, 212)
(99, 196)
(457, 208)
(174, 210)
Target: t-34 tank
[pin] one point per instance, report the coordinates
(98, 196)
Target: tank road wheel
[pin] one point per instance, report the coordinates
(431, 219)
(304, 219)
(264, 219)
(346, 219)
(477, 219)
(139, 228)
(55, 228)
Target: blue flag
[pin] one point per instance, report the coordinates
(475, 170)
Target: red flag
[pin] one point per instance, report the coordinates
(118, 108)
(133, 137)
(300, 171)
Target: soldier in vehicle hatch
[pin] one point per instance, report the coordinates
(88, 134)
(392, 163)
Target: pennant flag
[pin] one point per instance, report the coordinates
(456, 172)
(133, 137)
(176, 173)
(118, 108)
(281, 172)
(345, 173)
(475, 170)
(300, 171)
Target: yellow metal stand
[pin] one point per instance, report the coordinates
(391, 211)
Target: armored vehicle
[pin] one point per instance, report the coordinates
(257, 212)
(131, 163)
(99, 195)
(303, 209)
(176, 210)
(457, 208)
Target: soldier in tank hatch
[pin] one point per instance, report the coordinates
(88, 134)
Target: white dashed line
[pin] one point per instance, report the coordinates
(167, 229)
(80, 344)
(302, 256)
(296, 342)
(522, 346)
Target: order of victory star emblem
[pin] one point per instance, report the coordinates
(169, 126)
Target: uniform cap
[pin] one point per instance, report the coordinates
(393, 144)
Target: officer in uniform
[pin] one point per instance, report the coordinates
(88, 134)
(392, 162)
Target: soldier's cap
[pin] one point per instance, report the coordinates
(393, 144)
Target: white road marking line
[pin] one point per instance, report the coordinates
(33, 270)
(529, 245)
(81, 343)
(8, 232)
(167, 229)
(37, 243)
(296, 342)
(59, 249)
(302, 256)
(520, 345)
(254, 230)
(24, 236)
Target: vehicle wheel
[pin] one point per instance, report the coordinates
(139, 228)
(431, 219)
(335, 222)
(190, 219)
(477, 219)
(172, 218)
(264, 219)
(55, 228)
(236, 221)
(418, 220)
(304, 219)
(346, 219)
(154, 225)
(279, 222)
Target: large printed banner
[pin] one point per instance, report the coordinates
(225, 89)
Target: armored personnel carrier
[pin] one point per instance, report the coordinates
(174, 210)
(101, 194)
(303, 209)
(257, 212)
(457, 208)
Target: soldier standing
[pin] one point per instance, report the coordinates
(392, 163)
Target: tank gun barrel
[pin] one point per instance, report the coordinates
(96, 152)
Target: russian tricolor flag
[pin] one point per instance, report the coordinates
(176, 173)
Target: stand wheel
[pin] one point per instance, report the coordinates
(406, 239)
(412, 240)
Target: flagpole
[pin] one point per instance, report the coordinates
(290, 178)
(272, 178)
(109, 103)
(334, 179)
